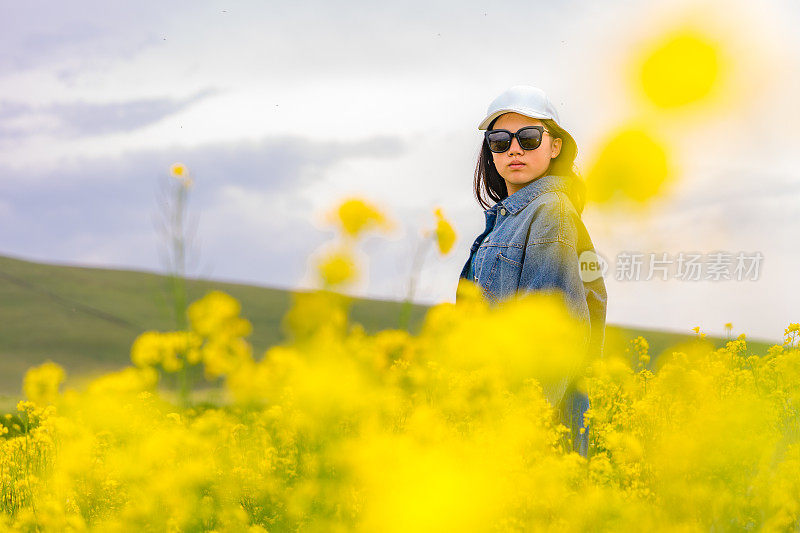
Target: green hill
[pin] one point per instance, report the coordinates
(86, 319)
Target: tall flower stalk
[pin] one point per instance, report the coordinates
(444, 236)
(174, 229)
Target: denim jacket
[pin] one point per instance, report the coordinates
(532, 241)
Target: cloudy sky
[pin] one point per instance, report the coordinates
(279, 110)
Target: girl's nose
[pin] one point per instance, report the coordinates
(515, 148)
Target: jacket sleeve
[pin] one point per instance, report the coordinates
(550, 262)
(554, 265)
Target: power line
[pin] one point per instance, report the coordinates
(72, 304)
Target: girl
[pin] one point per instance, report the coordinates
(534, 237)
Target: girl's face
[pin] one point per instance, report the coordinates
(534, 162)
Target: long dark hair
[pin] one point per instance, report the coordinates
(490, 187)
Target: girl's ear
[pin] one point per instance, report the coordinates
(556, 148)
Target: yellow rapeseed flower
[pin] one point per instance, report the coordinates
(791, 334)
(337, 268)
(681, 67)
(178, 170)
(445, 234)
(354, 216)
(128, 380)
(146, 349)
(41, 382)
(181, 173)
(314, 312)
(217, 314)
(632, 164)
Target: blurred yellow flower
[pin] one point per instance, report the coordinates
(41, 382)
(354, 216)
(445, 234)
(682, 67)
(315, 312)
(337, 268)
(791, 334)
(631, 164)
(217, 314)
(146, 349)
(126, 381)
(168, 349)
(178, 170)
(468, 291)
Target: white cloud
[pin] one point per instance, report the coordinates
(317, 101)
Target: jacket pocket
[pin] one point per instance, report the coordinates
(503, 278)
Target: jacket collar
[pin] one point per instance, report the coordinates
(550, 182)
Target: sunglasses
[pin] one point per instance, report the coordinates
(529, 138)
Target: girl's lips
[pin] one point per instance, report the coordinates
(517, 165)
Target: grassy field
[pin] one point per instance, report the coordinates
(86, 319)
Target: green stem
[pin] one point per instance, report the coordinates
(179, 286)
(416, 266)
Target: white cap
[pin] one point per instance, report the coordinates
(525, 100)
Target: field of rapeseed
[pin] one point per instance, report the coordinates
(339, 430)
